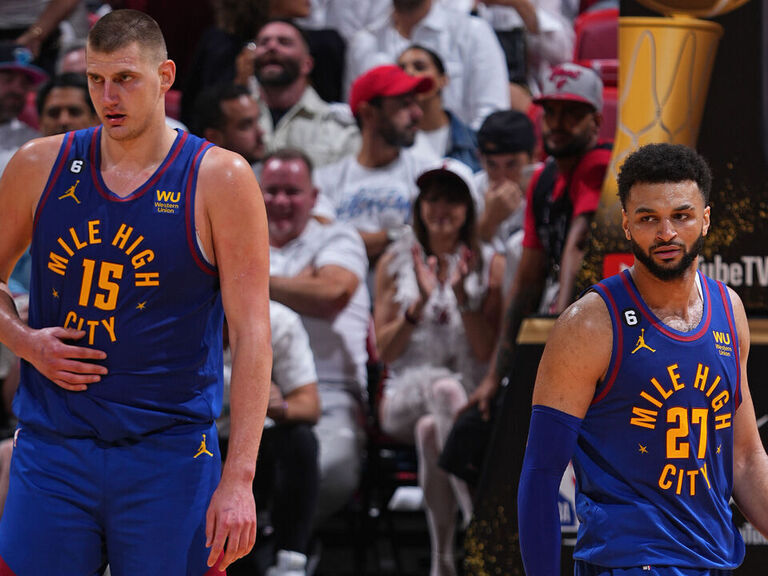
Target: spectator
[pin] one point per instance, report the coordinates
(17, 78)
(63, 104)
(297, 117)
(561, 201)
(35, 25)
(373, 190)
(437, 308)
(228, 116)
(237, 23)
(287, 475)
(506, 141)
(439, 130)
(71, 58)
(535, 35)
(347, 17)
(471, 53)
(319, 271)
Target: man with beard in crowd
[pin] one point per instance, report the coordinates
(298, 117)
(562, 198)
(373, 189)
(228, 116)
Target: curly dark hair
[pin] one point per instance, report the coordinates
(656, 163)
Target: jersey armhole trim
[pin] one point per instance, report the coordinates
(190, 194)
(58, 166)
(618, 344)
(732, 325)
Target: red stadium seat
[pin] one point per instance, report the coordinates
(597, 35)
(610, 113)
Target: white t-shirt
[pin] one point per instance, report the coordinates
(510, 225)
(371, 199)
(293, 364)
(338, 343)
(473, 58)
(433, 141)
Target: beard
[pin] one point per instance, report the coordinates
(577, 145)
(398, 138)
(288, 75)
(674, 272)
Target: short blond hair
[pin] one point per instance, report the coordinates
(121, 28)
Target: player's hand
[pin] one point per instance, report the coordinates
(230, 523)
(483, 396)
(66, 365)
(502, 199)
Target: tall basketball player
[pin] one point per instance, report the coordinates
(142, 237)
(643, 383)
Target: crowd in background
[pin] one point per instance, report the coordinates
(429, 169)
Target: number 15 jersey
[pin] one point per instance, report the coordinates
(129, 272)
(654, 461)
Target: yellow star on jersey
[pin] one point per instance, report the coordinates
(643, 449)
(141, 305)
(55, 293)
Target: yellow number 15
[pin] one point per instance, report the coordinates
(106, 298)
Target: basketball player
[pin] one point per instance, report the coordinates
(643, 382)
(142, 237)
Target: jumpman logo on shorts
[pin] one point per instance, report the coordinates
(203, 450)
(71, 192)
(641, 342)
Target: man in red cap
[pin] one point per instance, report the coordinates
(562, 198)
(373, 190)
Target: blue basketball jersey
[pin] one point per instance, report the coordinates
(654, 458)
(129, 272)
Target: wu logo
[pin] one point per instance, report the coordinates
(722, 337)
(164, 196)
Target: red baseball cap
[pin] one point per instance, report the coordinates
(387, 80)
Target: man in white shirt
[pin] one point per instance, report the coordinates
(17, 78)
(472, 54)
(374, 189)
(293, 114)
(319, 271)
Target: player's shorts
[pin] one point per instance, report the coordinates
(76, 504)
(582, 568)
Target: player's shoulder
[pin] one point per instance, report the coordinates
(587, 319)
(225, 172)
(38, 153)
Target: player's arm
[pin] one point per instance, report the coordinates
(750, 462)
(21, 186)
(231, 221)
(575, 358)
(320, 293)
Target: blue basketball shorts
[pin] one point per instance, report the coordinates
(77, 504)
(582, 568)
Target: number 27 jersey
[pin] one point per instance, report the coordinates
(654, 458)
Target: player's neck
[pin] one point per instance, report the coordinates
(677, 303)
(128, 163)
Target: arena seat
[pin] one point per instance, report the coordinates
(597, 35)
